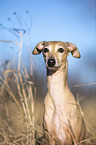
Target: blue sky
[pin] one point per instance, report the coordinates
(64, 20)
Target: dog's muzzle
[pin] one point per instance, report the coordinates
(52, 65)
(51, 62)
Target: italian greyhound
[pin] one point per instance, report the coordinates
(63, 121)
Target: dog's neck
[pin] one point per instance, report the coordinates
(57, 82)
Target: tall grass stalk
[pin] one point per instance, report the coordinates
(21, 39)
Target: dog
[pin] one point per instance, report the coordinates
(63, 120)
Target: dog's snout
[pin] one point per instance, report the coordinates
(51, 62)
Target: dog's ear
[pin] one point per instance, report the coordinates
(73, 49)
(39, 48)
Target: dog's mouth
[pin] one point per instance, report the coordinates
(54, 68)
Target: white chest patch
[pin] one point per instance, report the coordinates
(59, 126)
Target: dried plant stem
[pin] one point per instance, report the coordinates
(81, 85)
(30, 119)
(9, 41)
(88, 139)
(21, 96)
(72, 133)
(33, 116)
(19, 61)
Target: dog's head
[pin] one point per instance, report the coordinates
(55, 52)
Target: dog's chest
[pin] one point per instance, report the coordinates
(60, 124)
(56, 89)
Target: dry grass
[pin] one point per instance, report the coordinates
(17, 122)
(21, 105)
(17, 111)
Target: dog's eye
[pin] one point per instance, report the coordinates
(61, 50)
(46, 50)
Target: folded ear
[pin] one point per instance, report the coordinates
(73, 49)
(39, 48)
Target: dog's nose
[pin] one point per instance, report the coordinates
(51, 62)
